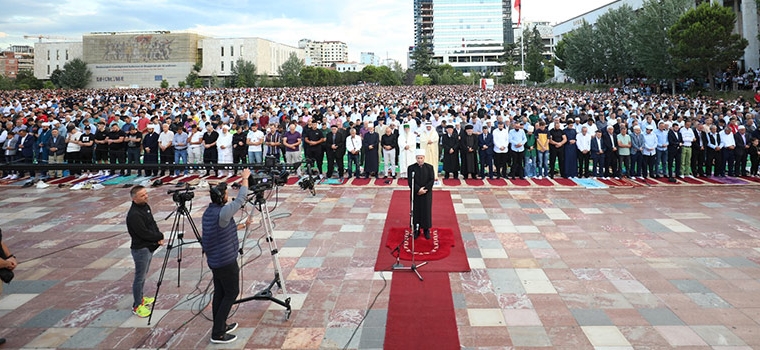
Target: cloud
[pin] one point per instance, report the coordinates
(3, 35)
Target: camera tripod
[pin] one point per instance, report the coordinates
(177, 232)
(259, 203)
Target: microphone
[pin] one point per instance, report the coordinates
(412, 173)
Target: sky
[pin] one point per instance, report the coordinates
(385, 27)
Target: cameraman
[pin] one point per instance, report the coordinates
(220, 242)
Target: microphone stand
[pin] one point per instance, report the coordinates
(409, 234)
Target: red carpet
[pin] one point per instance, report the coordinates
(452, 182)
(521, 183)
(619, 183)
(497, 182)
(61, 180)
(443, 217)
(665, 181)
(565, 182)
(692, 181)
(384, 182)
(751, 178)
(360, 181)
(421, 313)
(543, 182)
(648, 181)
(292, 180)
(474, 182)
(403, 182)
(436, 248)
(710, 180)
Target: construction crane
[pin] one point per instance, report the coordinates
(49, 37)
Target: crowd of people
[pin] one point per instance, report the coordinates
(509, 131)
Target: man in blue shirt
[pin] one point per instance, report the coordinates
(662, 149)
(517, 140)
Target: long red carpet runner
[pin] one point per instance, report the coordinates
(421, 313)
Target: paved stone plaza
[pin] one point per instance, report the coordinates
(569, 268)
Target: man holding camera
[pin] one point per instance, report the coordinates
(221, 244)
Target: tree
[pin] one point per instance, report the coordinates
(582, 53)
(290, 69)
(55, 77)
(703, 42)
(560, 55)
(510, 58)
(615, 37)
(398, 70)
(534, 55)
(193, 75)
(26, 80)
(164, 84)
(6, 83)
(244, 74)
(75, 75)
(651, 44)
(420, 80)
(422, 57)
(48, 85)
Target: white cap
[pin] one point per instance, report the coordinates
(419, 152)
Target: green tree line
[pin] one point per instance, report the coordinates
(664, 40)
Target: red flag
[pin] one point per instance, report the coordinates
(518, 7)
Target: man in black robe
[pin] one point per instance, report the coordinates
(469, 146)
(450, 144)
(370, 146)
(421, 186)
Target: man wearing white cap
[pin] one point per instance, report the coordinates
(421, 179)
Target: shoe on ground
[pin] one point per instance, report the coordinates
(231, 327)
(14, 177)
(2, 341)
(225, 339)
(148, 300)
(100, 173)
(427, 234)
(141, 311)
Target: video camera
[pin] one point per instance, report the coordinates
(183, 194)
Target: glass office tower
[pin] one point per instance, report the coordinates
(467, 34)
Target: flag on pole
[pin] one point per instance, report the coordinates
(518, 7)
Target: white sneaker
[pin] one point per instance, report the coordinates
(107, 173)
(14, 177)
(91, 175)
(100, 173)
(78, 186)
(7, 177)
(42, 184)
(83, 176)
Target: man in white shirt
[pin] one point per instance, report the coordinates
(727, 145)
(353, 149)
(687, 133)
(501, 148)
(255, 139)
(165, 149)
(583, 142)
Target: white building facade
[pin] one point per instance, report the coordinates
(324, 53)
(349, 67)
(53, 55)
(219, 56)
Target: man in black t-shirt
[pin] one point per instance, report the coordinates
(101, 147)
(86, 143)
(557, 140)
(117, 147)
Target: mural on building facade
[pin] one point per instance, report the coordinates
(141, 48)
